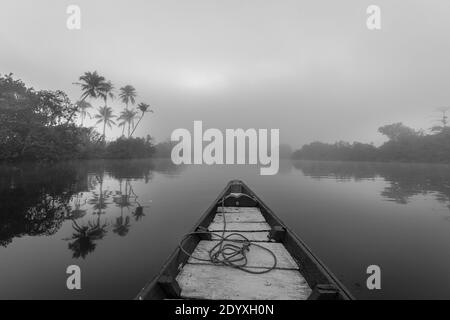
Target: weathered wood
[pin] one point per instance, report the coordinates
(239, 226)
(277, 233)
(239, 217)
(215, 282)
(252, 236)
(239, 200)
(238, 209)
(235, 188)
(257, 257)
(170, 286)
(325, 292)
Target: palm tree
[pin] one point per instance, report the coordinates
(123, 120)
(144, 108)
(122, 123)
(127, 117)
(92, 86)
(108, 91)
(105, 115)
(127, 95)
(82, 107)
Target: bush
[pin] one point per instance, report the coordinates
(126, 148)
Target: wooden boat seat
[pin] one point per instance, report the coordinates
(217, 282)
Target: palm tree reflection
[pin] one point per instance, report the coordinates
(99, 199)
(123, 199)
(39, 200)
(122, 226)
(138, 213)
(126, 200)
(77, 212)
(85, 237)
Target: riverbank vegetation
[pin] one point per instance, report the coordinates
(44, 125)
(404, 145)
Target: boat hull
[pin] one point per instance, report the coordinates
(324, 285)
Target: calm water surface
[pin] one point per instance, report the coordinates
(119, 220)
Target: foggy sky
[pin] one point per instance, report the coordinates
(310, 68)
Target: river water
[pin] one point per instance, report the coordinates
(119, 221)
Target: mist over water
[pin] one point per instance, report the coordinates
(310, 68)
(119, 221)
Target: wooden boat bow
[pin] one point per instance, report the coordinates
(238, 213)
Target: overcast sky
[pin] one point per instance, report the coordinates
(310, 68)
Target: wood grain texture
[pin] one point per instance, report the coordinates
(239, 226)
(239, 217)
(257, 257)
(252, 236)
(238, 209)
(200, 281)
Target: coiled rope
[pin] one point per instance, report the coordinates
(229, 252)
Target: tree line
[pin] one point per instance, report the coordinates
(46, 125)
(404, 144)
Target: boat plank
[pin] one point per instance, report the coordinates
(199, 281)
(251, 236)
(239, 226)
(239, 217)
(256, 256)
(238, 209)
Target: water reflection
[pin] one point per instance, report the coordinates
(138, 213)
(103, 212)
(77, 211)
(404, 180)
(95, 197)
(34, 201)
(85, 237)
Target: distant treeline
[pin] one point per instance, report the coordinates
(41, 126)
(404, 145)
